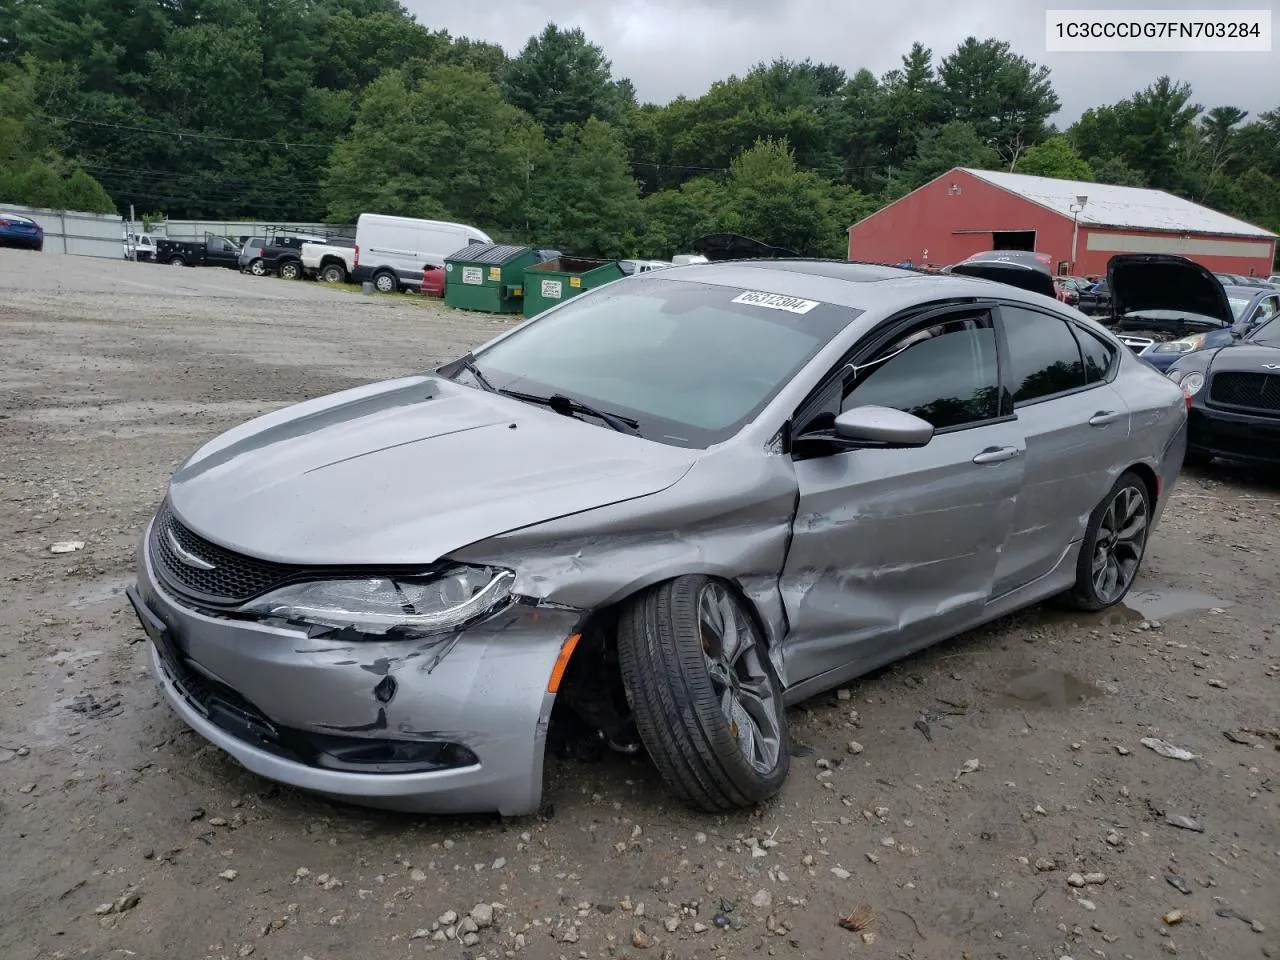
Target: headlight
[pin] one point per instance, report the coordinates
(1192, 383)
(1183, 345)
(377, 605)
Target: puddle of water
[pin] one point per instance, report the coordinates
(1047, 689)
(101, 593)
(1162, 604)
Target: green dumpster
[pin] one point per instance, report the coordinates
(487, 277)
(547, 284)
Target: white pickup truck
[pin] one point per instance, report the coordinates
(327, 261)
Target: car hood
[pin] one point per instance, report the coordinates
(1151, 281)
(405, 472)
(1247, 358)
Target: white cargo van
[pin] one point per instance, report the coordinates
(394, 251)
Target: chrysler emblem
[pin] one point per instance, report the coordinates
(186, 556)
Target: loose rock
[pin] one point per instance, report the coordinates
(762, 898)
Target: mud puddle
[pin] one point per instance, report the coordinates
(1046, 690)
(1162, 604)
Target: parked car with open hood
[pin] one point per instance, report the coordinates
(668, 507)
(1250, 307)
(1159, 297)
(1233, 397)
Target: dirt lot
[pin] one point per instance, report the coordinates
(124, 836)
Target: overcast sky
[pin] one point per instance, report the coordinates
(673, 47)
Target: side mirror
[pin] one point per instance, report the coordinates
(873, 426)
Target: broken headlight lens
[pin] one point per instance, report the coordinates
(377, 605)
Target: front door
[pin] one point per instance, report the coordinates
(893, 549)
(1076, 427)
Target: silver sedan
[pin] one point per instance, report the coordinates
(660, 512)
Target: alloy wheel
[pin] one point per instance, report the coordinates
(1119, 545)
(735, 660)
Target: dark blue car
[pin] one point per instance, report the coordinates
(1251, 306)
(20, 231)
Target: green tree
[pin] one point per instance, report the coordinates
(1115, 171)
(445, 145)
(1004, 96)
(561, 78)
(81, 192)
(776, 202)
(677, 216)
(1054, 157)
(585, 201)
(912, 104)
(954, 144)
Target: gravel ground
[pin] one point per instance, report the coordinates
(991, 797)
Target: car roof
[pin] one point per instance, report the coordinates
(865, 286)
(14, 216)
(1247, 291)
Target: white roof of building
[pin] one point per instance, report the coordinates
(1111, 206)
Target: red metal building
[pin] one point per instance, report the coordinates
(1080, 225)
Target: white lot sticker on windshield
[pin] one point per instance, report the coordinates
(775, 301)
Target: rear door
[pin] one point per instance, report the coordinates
(1076, 428)
(893, 549)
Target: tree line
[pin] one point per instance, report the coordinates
(323, 109)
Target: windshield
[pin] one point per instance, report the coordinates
(1237, 306)
(692, 363)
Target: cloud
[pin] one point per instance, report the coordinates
(674, 47)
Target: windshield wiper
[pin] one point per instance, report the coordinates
(570, 407)
(468, 363)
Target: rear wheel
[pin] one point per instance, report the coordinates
(1115, 542)
(290, 270)
(333, 273)
(177, 262)
(258, 268)
(386, 282)
(706, 699)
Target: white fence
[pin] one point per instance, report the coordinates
(241, 230)
(79, 234)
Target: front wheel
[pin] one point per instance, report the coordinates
(706, 699)
(1115, 542)
(290, 270)
(332, 273)
(386, 283)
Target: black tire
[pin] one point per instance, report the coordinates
(333, 273)
(290, 270)
(1128, 493)
(386, 282)
(258, 268)
(669, 683)
(177, 262)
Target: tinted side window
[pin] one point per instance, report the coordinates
(944, 373)
(1097, 355)
(1044, 357)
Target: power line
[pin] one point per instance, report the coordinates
(187, 135)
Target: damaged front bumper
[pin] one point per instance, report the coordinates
(453, 724)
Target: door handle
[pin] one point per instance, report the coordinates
(996, 455)
(1104, 417)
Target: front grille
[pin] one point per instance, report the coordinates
(1256, 391)
(234, 578)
